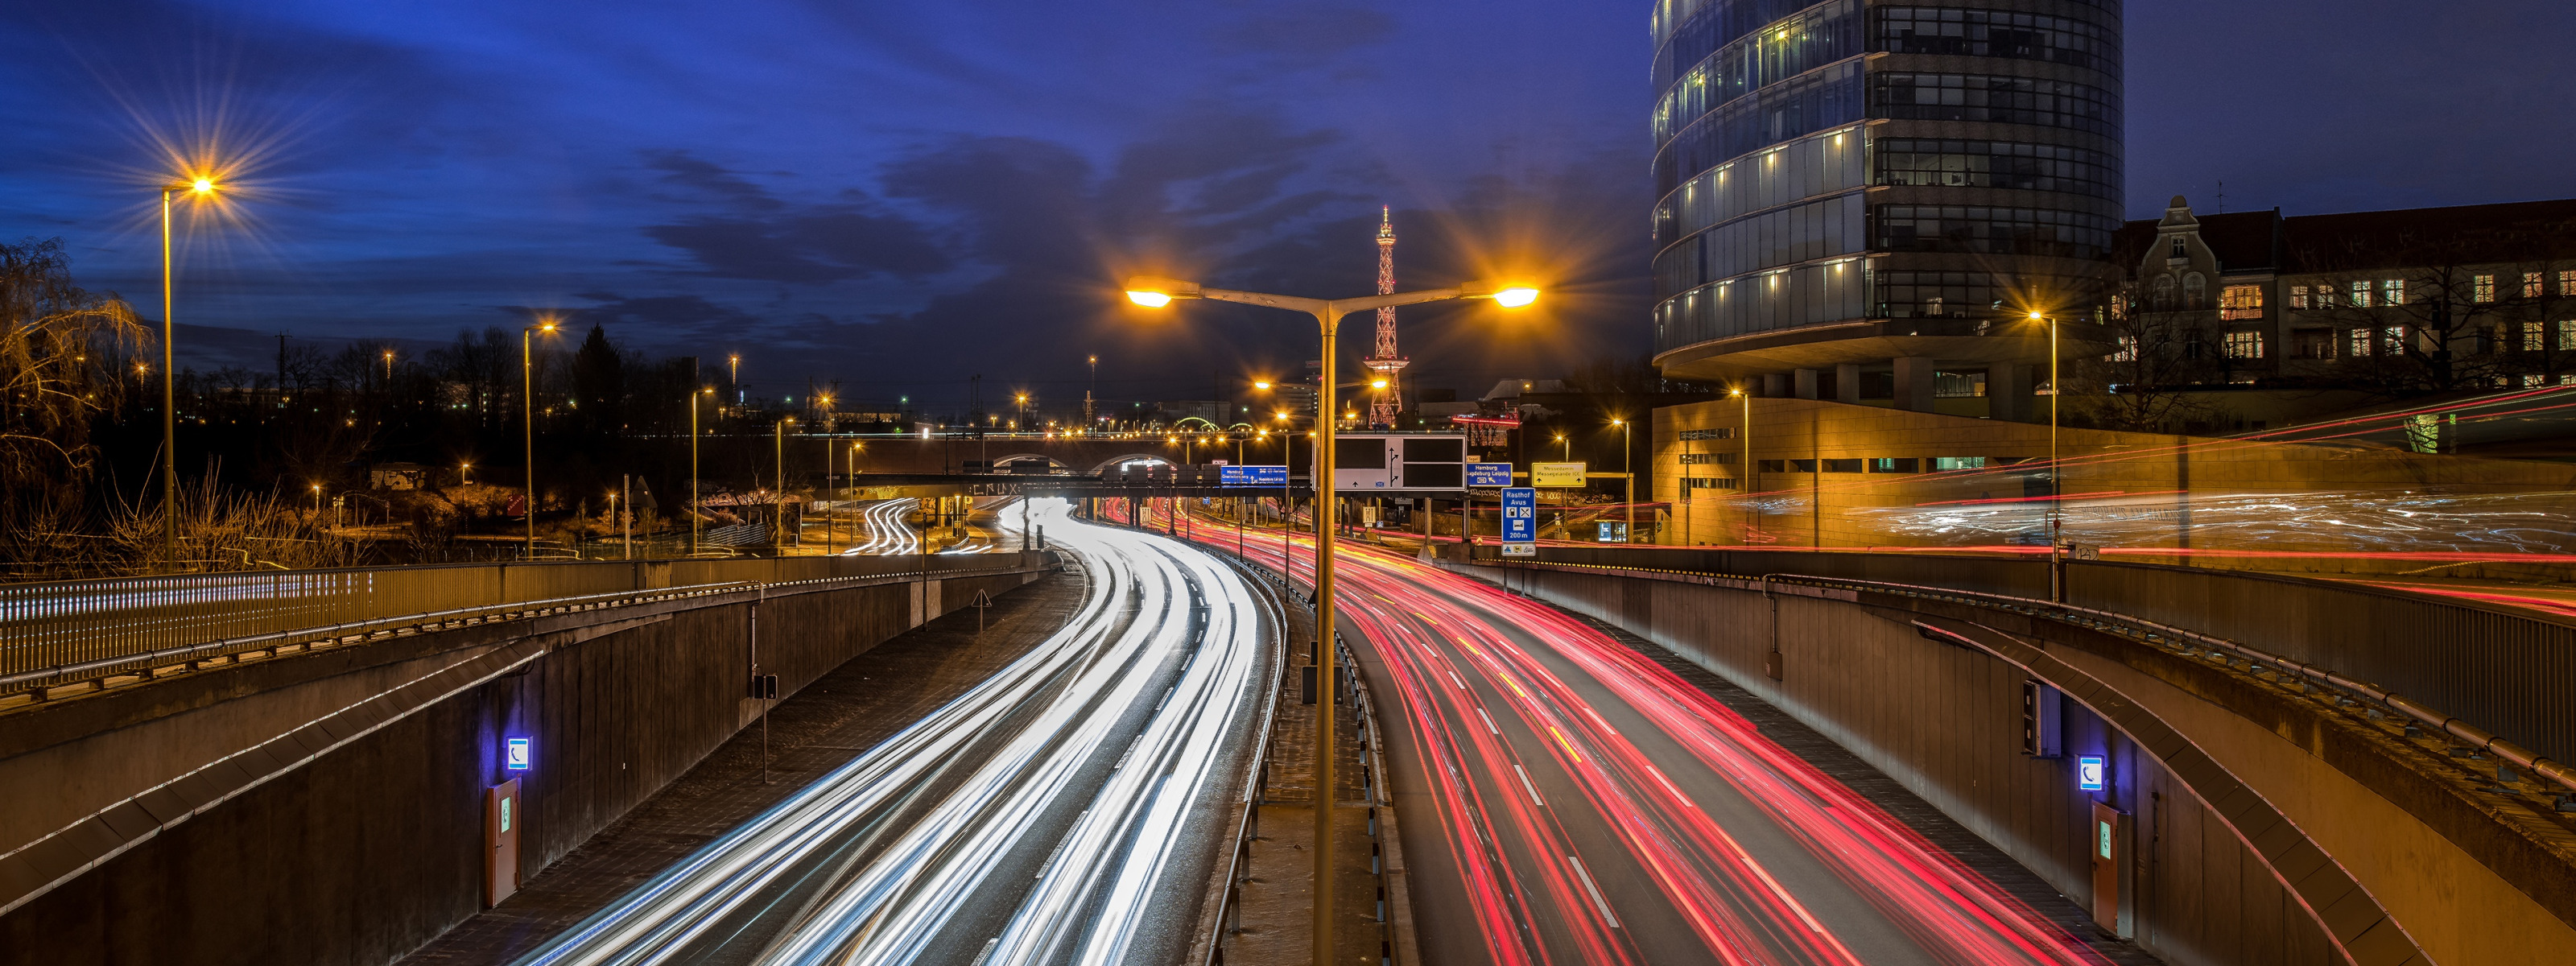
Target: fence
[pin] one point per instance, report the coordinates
(48, 628)
(2511, 671)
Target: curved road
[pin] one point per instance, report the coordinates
(1577, 802)
(1067, 810)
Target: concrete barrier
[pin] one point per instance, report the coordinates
(329, 805)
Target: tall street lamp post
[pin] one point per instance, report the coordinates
(778, 506)
(1328, 313)
(200, 188)
(694, 522)
(2056, 473)
(1631, 478)
(528, 419)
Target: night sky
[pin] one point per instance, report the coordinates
(901, 195)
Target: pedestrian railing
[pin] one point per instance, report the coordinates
(54, 635)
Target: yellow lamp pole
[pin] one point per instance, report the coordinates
(1625, 442)
(1159, 292)
(201, 187)
(694, 523)
(2056, 473)
(528, 420)
(778, 505)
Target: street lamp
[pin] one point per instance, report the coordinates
(1569, 448)
(528, 418)
(199, 188)
(1625, 471)
(2056, 473)
(778, 505)
(695, 524)
(1328, 313)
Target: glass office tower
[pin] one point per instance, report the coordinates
(1854, 196)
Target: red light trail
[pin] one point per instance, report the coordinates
(1598, 808)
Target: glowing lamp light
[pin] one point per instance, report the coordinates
(2036, 317)
(1263, 384)
(1377, 383)
(518, 753)
(203, 186)
(1151, 300)
(2089, 773)
(1513, 298)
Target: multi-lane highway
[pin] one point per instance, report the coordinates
(1566, 799)
(1066, 810)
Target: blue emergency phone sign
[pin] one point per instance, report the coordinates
(1252, 476)
(1489, 474)
(2089, 773)
(1520, 521)
(518, 753)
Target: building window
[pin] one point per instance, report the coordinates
(2240, 302)
(2361, 295)
(2567, 336)
(2127, 351)
(2357, 344)
(2535, 336)
(2481, 289)
(2567, 283)
(1941, 463)
(2392, 292)
(1993, 231)
(1708, 459)
(1842, 466)
(1958, 385)
(2244, 345)
(2392, 340)
(2312, 343)
(2195, 292)
(2163, 299)
(2178, 249)
(2298, 296)
(1895, 464)
(1995, 164)
(2531, 285)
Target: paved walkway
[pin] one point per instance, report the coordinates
(821, 728)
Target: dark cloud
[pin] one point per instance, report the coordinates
(811, 247)
(664, 319)
(1302, 35)
(710, 179)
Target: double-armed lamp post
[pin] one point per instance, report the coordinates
(1156, 293)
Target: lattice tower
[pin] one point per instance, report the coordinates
(1386, 364)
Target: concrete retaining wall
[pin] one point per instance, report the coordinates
(376, 845)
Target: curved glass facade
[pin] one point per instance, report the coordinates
(1820, 164)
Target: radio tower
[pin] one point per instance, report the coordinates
(1386, 363)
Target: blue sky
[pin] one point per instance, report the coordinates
(900, 195)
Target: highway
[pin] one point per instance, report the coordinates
(1066, 810)
(1565, 799)
(882, 530)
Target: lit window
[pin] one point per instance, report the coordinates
(2392, 292)
(2567, 283)
(2535, 336)
(2534, 381)
(2392, 340)
(2298, 296)
(2531, 285)
(2240, 302)
(2361, 295)
(2481, 289)
(2567, 336)
(1958, 463)
(2244, 345)
(2357, 344)
(2128, 351)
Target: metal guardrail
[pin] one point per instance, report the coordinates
(59, 634)
(1247, 826)
(2255, 660)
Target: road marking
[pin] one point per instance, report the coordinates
(1569, 746)
(1597, 901)
(1489, 721)
(1533, 789)
(1462, 685)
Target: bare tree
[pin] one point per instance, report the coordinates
(55, 357)
(2159, 355)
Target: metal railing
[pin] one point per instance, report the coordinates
(55, 634)
(2254, 660)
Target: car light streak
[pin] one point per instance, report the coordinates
(1152, 602)
(1512, 853)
